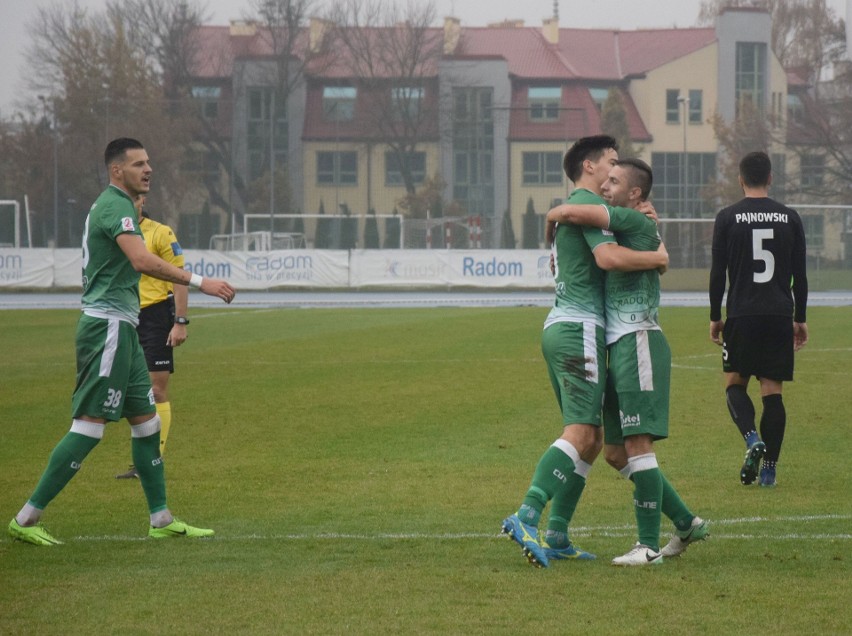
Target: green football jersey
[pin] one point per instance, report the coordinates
(632, 298)
(579, 281)
(110, 284)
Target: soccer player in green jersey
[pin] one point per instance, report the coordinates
(636, 405)
(112, 376)
(575, 351)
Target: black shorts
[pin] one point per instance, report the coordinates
(155, 323)
(760, 346)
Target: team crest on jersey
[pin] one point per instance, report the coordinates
(127, 224)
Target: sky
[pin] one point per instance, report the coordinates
(620, 14)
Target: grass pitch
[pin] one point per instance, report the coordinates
(356, 465)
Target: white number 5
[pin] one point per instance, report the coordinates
(760, 254)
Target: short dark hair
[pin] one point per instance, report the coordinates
(117, 148)
(586, 148)
(755, 169)
(641, 175)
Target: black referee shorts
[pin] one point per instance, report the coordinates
(155, 323)
(760, 346)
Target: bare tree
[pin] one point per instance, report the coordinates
(614, 123)
(292, 52)
(392, 55)
(94, 83)
(805, 33)
(808, 38)
(747, 133)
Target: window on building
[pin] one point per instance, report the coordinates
(208, 99)
(795, 108)
(778, 108)
(814, 232)
(414, 161)
(266, 140)
(696, 106)
(599, 96)
(679, 180)
(544, 103)
(542, 168)
(473, 149)
(337, 168)
(201, 162)
(338, 103)
(750, 75)
(406, 102)
(813, 170)
(672, 106)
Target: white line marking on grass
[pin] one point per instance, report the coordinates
(617, 531)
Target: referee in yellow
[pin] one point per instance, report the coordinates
(162, 319)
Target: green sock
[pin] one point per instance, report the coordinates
(562, 509)
(673, 506)
(646, 501)
(65, 460)
(551, 474)
(149, 465)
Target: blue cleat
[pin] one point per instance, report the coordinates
(767, 477)
(753, 457)
(570, 552)
(527, 537)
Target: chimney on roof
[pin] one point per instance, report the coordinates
(550, 30)
(317, 32)
(243, 27)
(452, 31)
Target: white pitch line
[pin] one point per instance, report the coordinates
(616, 531)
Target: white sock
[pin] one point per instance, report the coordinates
(162, 518)
(28, 516)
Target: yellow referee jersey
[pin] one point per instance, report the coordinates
(162, 242)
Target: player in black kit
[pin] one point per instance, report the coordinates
(760, 245)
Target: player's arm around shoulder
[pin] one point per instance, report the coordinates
(615, 257)
(596, 215)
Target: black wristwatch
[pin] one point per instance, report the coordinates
(180, 320)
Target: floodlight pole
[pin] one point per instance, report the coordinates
(54, 133)
(684, 160)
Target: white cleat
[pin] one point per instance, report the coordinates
(680, 541)
(639, 555)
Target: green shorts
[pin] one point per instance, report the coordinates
(112, 377)
(575, 353)
(637, 392)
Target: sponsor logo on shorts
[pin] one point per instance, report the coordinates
(629, 421)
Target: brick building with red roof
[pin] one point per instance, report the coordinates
(496, 109)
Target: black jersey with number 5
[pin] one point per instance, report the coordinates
(760, 244)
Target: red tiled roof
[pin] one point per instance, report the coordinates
(579, 117)
(643, 51)
(592, 54)
(589, 54)
(603, 57)
(217, 49)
